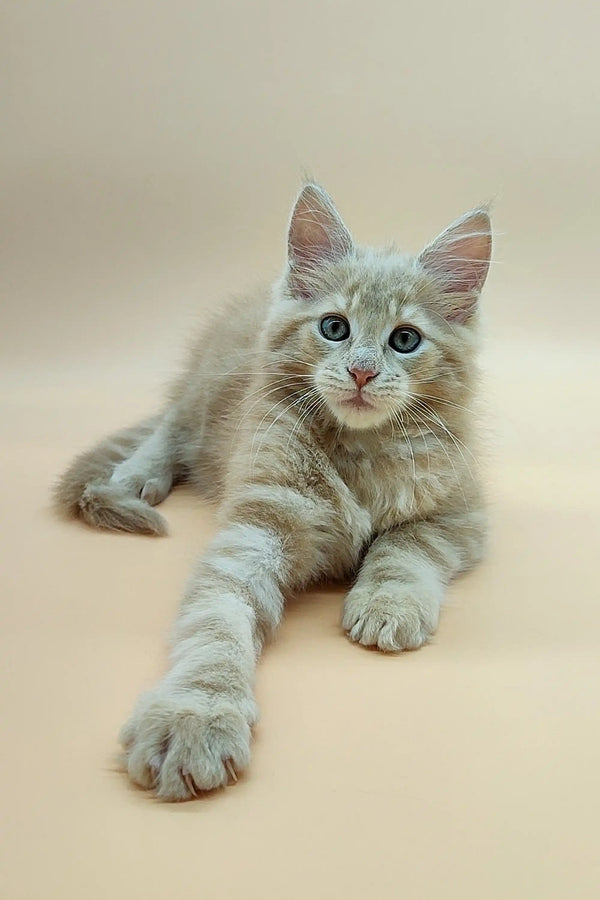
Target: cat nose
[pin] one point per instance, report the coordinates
(361, 376)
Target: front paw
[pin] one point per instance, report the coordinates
(392, 617)
(179, 742)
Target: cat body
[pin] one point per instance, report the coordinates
(332, 418)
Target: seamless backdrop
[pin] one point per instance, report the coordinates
(150, 154)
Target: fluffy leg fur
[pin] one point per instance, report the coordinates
(192, 732)
(395, 603)
(115, 484)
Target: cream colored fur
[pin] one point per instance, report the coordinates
(313, 480)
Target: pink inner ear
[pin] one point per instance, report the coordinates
(459, 260)
(310, 241)
(317, 233)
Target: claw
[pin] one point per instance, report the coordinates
(230, 769)
(189, 783)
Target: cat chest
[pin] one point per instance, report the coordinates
(387, 486)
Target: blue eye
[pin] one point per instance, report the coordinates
(404, 340)
(334, 328)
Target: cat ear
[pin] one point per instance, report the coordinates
(316, 236)
(459, 259)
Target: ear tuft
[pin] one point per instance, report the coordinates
(316, 236)
(459, 260)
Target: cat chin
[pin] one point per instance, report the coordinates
(359, 418)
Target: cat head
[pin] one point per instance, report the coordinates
(376, 331)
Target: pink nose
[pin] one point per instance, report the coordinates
(361, 376)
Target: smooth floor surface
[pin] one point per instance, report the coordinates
(466, 769)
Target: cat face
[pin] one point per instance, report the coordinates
(372, 347)
(380, 335)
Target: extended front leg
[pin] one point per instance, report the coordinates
(192, 732)
(395, 603)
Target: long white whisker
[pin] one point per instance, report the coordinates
(440, 400)
(448, 457)
(316, 403)
(299, 400)
(412, 456)
(262, 396)
(424, 439)
(456, 443)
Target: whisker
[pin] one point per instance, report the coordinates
(314, 406)
(412, 457)
(450, 434)
(424, 439)
(247, 413)
(466, 409)
(300, 399)
(448, 457)
(457, 443)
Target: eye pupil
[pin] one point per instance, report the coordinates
(334, 328)
(405, 339)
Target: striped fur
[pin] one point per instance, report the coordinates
(311, 485)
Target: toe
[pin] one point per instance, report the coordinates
(155, 490)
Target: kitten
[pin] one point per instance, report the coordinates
(333, 420)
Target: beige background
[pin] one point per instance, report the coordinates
(150, 153)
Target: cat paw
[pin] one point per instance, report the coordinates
(155, 490)
(181, 742)
(151, 488)
(390, 618)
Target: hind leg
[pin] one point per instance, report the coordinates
(148, 472)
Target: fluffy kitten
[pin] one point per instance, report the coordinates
(333, 421)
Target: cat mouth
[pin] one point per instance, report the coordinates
(355, 409)
(357, 401)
